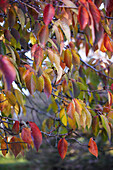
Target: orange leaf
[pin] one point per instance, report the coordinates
(15, 146)
(30, 80)
(107, 43)
(62, 147)
(92, 146)
(8, 71)
(43, 35)
(4, 146)
(15, 128)
(48, 14)
(68, 58)
(70, 110)
(109, 98)
(94, 11)
(83, 17)
(26, 135)
(36, 135)
(47, 85)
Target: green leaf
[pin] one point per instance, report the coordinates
(21, 16)
(106, 126)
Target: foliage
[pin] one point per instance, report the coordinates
(80, 90)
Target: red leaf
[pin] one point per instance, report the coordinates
(109, 6)
(36, 135)
(3, 147)
(107, 43)
(112, 87)
(47, 85)
(15, 128)
(48, 14)
(8, 71)
(92, 146)
(94, 11)
(109, 98)
(62, 147)
(83, 17)
(15, 146)
(26, 135)
(4, 5)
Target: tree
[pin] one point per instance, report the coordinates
(80, 90)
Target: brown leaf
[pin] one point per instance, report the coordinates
(92, 146)
(48, 14)
(3, 147)
(62, 147)
(68, 58)
(15, 146)
(30, 80)
(43, 35)
(16, 127)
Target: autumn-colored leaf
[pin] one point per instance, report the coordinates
(62, 147)
(112, 87)
(16, 127)
(11, 17)
(110, 100)
(7, 35)
(94, 11)
(10, 97)
(26, 135)
(108, 43)
(15, 146)
(95, 125)
(83, 17)
(4, 5)
(36, 135)
(48, 14)
(30, 80)
(15, 34)
(78, 106)
(4, 147)
(75, 88)
(92, 146)
(63, 117)
(68, 58)
(47, 85)
(21, 16)
(43, 35)
(37, 54)
(109, 6)
(71, 110)
(8, 71)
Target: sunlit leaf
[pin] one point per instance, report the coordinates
(10, 97)
(36, 135)
(92, 146)
(83, 17)
(83, 119)
(75, 88)
(88, 118)
(62, 147)
(19, 97)
(94, 11)
(40, 83)
(78, 106)
(48, 14)
(8, 71)
(110, 100)
(11, 17)
(63, 117)
(26, 135)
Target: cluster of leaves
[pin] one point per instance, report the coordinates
(81, 97)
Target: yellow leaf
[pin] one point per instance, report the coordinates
(72, 123)
(19, 97)
(63, 117)
(83, 119)
(10, 97)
